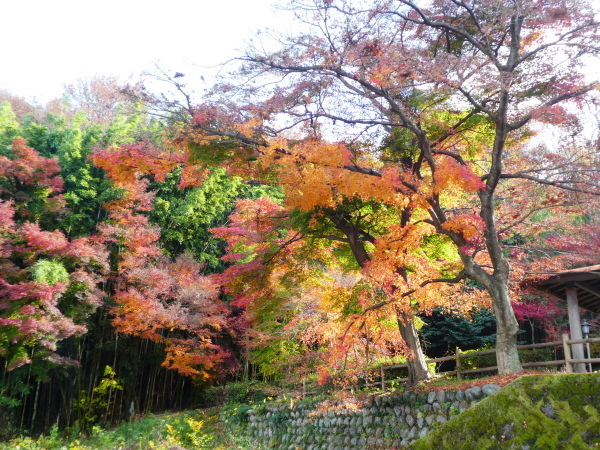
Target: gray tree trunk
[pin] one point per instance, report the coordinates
(507, 328)
(417, 367)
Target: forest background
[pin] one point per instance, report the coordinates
(325, 208)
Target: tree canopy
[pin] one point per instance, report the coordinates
(457, 87)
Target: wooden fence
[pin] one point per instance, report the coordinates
(567, 362)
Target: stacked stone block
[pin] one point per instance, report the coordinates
(386, 421)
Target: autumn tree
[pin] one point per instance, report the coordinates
(157, 298)
(299, 294)
(56, 318)
(32, 183)
(49, 285)
(102, 97)
(462, 82)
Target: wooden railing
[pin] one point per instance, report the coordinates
(567, 362)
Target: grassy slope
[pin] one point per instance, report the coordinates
(546, 412)
(200, 429)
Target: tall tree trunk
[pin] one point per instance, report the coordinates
(507, 328)
(417, 367)
(496, 284)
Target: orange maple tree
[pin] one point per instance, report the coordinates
(169, 302)
(455, 93)
(300, 306)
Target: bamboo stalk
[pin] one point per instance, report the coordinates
(35, 406)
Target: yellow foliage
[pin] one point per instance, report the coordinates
(450, 175)
(315, 174)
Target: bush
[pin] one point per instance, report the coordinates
(536, 355)
(188, 430)
(235, 413)
(526, 356)
(240, 392)
(477, 361)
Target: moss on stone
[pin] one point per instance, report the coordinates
(536, 411)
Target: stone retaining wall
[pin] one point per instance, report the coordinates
(387, 421)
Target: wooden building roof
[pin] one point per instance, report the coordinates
(586, 280)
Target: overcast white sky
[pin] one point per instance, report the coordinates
(48, 43)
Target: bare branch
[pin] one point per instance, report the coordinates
(554, 101)
(457, 279)
(566, 185)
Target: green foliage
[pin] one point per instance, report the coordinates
(82, 186)
(13, 388)
(189, 430)
(536, 355)
(525, 356)
(370, 217)
(90, 406)
(400, 145)
(49, 272)
(279, 348)
(442, 333)
(240, 392)
(70, 302)
(205, 154)
(478, 361)
(186, 215)
(236, 413)
(128, 128)
(9, 128)
(48, 135)
(514, 239)
(541, 215)
(439, 247)
(71, 141)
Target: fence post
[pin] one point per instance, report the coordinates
(382, 379)
(567, 350)
(458, 367)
